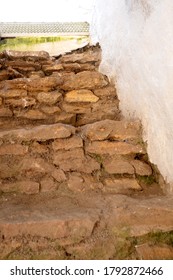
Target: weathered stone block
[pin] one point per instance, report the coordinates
(49, 69)
(108, 91)
(141, 168)
(77, 108)
(13, 149)
(31, 114)
(113, 130)
(48, 185)
(23, 102)
(44, 84)
(121, 186)
(67, 144)
(74, 160)
(34, 55)
(65, 118)
(49, 98)
(0, 101)
(84, 80)
(27, 187)
(11, 93)
(114, 165)
(50, 110)
(113, 148)
(40, 133)
(5, 112)
(82, 95)
(58, 175)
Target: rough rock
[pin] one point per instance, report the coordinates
(121, 186)
(82, 95)
(30, 114)
(5, 112)
(50, 110)
(58, 175)
(81, 57)
(154, 252)
(13, 149)
(47, 185)
(49, 69)
(35, 55)
(44, 84)
(114, 165)
(113, 130)
(108, 91)
(49, 98)
(84, 80)
(65, 118)
(67, 144)
(74, 160)
(12, 93)
(23, 102)
(27, 187)
(40, 133)
(76, 108)
(113, 148)
(141, 168)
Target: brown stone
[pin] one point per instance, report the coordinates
(113, 130)
(72, 67)
(109, 111)
(31, 114)
(65, 118)
(121, 186)
(49, 69)
(74, 160)
(82, 58)
(49, 223)
(58, 175)
(5, 112)
(49, 98)
(39, 148)
(108, 91)
(67, 144)
(34, 165)
(19, 83)
(82, 95)
(0, 101)
(13, 149)
(23, 102)
(85, 80)
(4, 75)
(11, 93)
(34, 55)
(24, 66)
(75, 183)
(44, 84)
(141, 168)
(48, 185)
(154, 252)
(77, 108)
(36, 74)
(113, 148)
(50, 110)
(27, 187)
(40, 133)
(114, 165)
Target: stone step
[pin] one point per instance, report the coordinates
(42, 158)
(33, 226)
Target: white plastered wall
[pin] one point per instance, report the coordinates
(136, 37)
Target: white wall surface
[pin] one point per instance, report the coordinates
(136, 37)
(45, 10)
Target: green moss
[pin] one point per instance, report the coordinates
(147, 180)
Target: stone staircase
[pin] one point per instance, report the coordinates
(75, 179)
